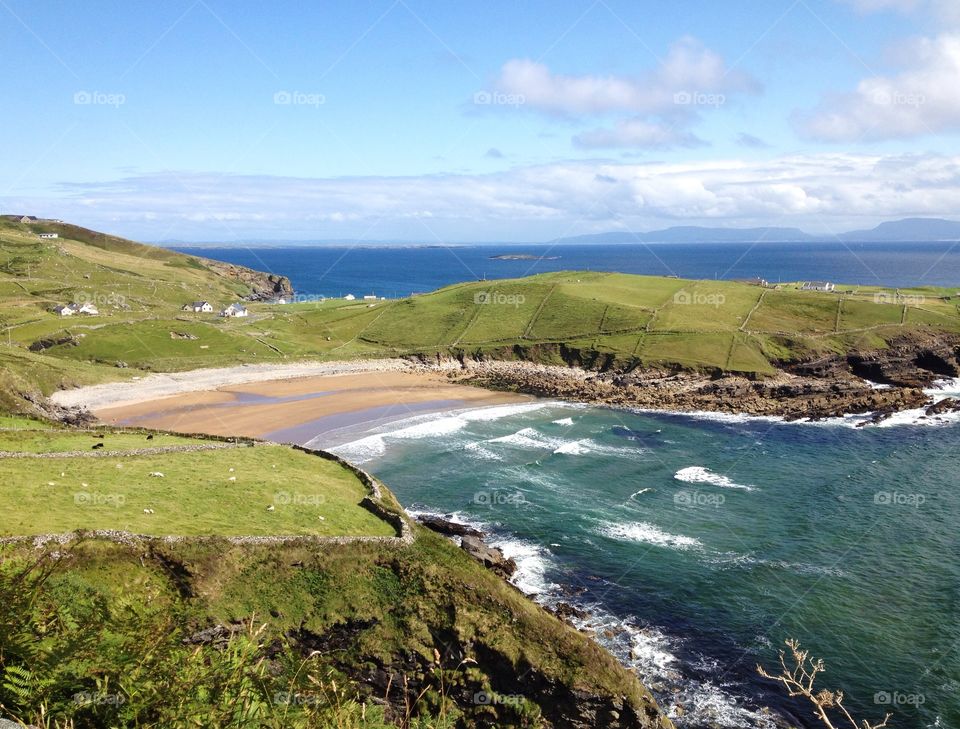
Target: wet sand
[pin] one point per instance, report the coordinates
(300, 410)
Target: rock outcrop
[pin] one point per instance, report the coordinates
(263, 286)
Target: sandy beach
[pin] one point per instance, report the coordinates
(290, 407)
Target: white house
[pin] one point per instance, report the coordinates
(198, 307)
(88, 309)
(65, 310)
(369, 298)
(818, 286)
(349, 297)
(49, 235)
(235, 311)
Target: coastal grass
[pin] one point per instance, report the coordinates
(29, 437)
(567, 316)
(210, 492)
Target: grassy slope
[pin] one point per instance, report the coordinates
(363, 605)
(223, 492)
(622, 318)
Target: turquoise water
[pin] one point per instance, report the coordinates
(704, 542)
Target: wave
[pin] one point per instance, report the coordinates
(647, 533)
(563, 421)
(427, 426)
(699, 474)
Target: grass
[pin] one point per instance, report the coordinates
(33, 437)
(616, 318)
(222, 492)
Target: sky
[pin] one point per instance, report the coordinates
(520, 120)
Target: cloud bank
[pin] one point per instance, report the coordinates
(531, 203)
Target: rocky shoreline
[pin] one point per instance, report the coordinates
(879, 382)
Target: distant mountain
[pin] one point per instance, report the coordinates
(910, 229)
(695, 234)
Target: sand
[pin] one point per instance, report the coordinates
(291, 410)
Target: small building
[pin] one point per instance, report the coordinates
(349, 297)
(818, 286)
(88, 309)
(28, 218)
(370, 298)
(49, 235)
(756, 281)
(65, 310)
(235, 311)
(198, 307)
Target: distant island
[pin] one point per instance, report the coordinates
(913, 230)
(522, 257)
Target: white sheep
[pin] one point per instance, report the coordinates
(270, 508)
(156, 474)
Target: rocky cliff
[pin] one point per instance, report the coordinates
(263, 286)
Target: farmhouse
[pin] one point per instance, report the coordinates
(89, 309)
(49, 235)
(235, 311)
(65, 310)
(349, 297)
(369, 298)
(818, 286)
(198, 307)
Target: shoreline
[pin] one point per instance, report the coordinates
(297, 408)
(286, 400)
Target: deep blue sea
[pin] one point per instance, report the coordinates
(698, 543)
(395, 272)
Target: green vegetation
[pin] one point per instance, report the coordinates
(94, 634)
(241, 490)
(567, 316)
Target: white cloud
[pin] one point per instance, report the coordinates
(921, 99)
(664, 102)
(530, 203)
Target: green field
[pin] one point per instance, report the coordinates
(629, 320)
(225, 492)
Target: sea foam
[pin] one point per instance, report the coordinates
(647, 533)
(699, 474)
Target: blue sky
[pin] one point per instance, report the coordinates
(396, 119)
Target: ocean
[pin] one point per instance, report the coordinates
(400, 271)
(698, 543)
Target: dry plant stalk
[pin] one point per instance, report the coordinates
(799, 679)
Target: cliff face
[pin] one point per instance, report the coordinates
(263, 286)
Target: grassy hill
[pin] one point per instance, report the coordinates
(582, 317)
(213, 632)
